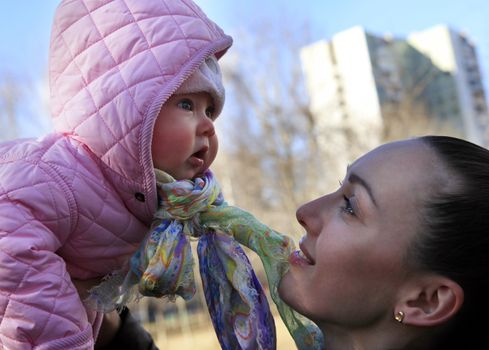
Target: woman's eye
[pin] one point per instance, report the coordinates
(185, 104)
(348, 207)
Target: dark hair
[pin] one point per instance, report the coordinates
(455, 237)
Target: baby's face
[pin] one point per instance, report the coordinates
(184, 139)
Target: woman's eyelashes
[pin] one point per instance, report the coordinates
(348, 207)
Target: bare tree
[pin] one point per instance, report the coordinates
(24, 109)
(271, 157)
(10, 94)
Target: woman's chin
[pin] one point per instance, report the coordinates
(291, 292)
(286, 289)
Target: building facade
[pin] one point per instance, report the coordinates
(461, 94)
(376, 88)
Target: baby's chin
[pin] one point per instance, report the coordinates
(201, 173)
(188, 171)
(188, 175)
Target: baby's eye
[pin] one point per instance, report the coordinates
(185, 104)
(210, 112)
(348, 207)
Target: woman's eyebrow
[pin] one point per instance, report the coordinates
(354, 178)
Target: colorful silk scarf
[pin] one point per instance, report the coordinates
(163, 266)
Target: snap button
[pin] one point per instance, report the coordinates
(139, 196)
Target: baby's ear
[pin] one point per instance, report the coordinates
(431, 301)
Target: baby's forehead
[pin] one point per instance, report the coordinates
(206, 78)
(198, 95)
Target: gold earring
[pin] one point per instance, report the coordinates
(399, 316)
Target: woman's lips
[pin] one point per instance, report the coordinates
(297, 258)
(301, 257)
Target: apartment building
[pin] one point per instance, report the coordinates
(366, 83)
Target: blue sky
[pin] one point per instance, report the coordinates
(25, 24)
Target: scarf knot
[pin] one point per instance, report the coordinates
(184, 200)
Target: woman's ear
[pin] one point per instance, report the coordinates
(430, 301)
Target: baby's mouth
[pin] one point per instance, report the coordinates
(197, 159)
(200, 154)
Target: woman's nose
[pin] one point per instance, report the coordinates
(312, 215)
(309, 216)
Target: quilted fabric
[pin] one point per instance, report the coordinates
(78, 202)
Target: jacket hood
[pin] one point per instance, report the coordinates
(112, 64)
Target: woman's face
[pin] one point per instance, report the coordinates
(356, 238)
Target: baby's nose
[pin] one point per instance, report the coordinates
(207, 127)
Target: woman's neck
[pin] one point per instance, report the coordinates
(336, 338)
(386, 337)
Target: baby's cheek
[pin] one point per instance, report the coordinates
(213, 148)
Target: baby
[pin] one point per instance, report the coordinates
(134, 85)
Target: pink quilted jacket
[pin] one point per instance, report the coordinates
(77, 202)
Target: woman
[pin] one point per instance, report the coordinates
(396, 257)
